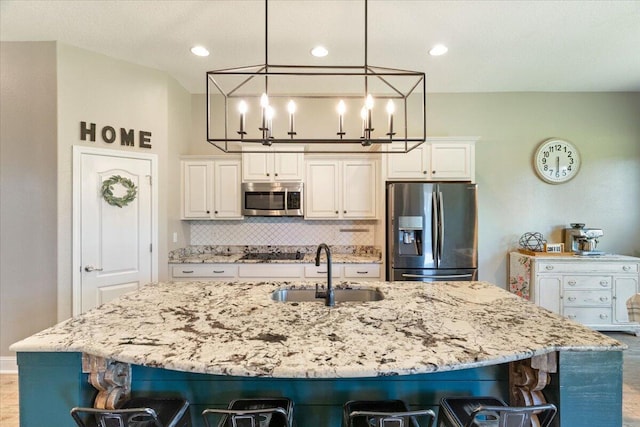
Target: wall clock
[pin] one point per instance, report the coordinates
(556, 161)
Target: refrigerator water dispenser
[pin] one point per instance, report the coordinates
(410, 228)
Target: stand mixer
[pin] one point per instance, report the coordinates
(582, 241)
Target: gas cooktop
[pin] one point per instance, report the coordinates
(273, 256)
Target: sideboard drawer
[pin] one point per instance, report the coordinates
(587, 298)
(589, 315)
(586, 282)
(588, 266)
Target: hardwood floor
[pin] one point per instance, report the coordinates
(9, 414)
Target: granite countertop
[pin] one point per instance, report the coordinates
(236, 329)
(233, 255)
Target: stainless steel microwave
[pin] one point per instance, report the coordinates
(272, 198)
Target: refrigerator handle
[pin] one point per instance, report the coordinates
(434, 226)
(441, 226)
(435, 276)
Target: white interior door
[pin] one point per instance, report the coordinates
(115, 243)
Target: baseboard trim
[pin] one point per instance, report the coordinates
(8, 365)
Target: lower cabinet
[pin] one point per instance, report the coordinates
(274, 271)
(590, 291)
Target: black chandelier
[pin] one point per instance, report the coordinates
(329, 109)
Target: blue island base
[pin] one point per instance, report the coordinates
(587, 387)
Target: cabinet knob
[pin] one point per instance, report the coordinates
(626, 268)
(433, 172)
(344, 211)
(424, 172)
(604, 299)
(336, 212)
(572, 282)
(208, 212)
(267, 173)
(604, 283)
(275, 174)
(571, 298)
(604, 316)
(571, 316)
(549, 267)
(215, 212)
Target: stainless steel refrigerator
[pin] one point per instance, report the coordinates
(432, 231)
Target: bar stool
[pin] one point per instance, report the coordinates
(137, 412)
(384, 413)
(258, 412)
(489, 411)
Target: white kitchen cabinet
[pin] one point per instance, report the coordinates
(592, 291)
(184, 272)
(341, 189)
(437, 159)
(211, 189)
(272, 165)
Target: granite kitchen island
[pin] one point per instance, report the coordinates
(214, 342)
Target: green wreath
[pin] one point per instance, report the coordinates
(107, 191)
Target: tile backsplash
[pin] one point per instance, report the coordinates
(282, 231)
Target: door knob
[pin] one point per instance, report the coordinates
(90, 268)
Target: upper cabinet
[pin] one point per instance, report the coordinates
(211, 189)
(438, 159)
(341, 189)
(271, 165)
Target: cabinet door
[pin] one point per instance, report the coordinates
(227, 190)
(359, 189)
(623, 288)
(196, 185)
(411, 165)
(451, 161)
(547, 293)
(322, 190)
(257, 166)
(288, 166)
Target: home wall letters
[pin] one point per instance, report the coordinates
(109, 135)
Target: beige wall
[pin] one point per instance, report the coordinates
(512, 200)
(27, 190)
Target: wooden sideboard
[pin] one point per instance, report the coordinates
(591, 290)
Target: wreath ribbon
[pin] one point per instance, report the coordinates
(107, 191)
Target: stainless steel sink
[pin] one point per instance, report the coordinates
(341, 295)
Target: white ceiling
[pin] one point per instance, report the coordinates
(494, 46)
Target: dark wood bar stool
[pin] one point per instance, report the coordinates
(258, 412)
(137, 412)
(489, 411)
(384, 413)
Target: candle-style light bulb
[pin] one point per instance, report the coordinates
(291, 108)
(242, 108)
(264, 103)
(368, 104)
(269, 113)
(342, 108)
(390, 110)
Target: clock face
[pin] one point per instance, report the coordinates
(556, 161)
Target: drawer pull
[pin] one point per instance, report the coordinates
(218, 271)
(549, 267)
(571, 298)
(187, 271)
(572, 282)
(604, 283)
(604, 299)
(362, 272)
(571, 316)
(321, 272)
(626, 268)
(604, 316)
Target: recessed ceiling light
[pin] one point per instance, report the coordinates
(438, 50)
(199, 51)
(319, 51)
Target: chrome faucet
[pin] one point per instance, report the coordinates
(329, 295)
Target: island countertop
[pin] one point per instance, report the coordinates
(237, 329)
